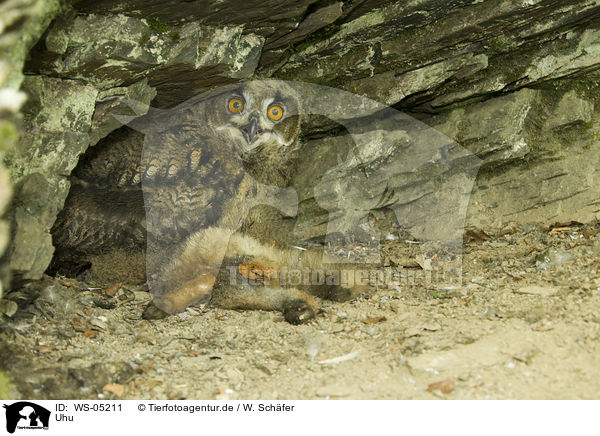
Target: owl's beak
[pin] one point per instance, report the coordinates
(252, 130)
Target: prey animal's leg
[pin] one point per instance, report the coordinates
(297, 306)
(193, 275)
(217, 265)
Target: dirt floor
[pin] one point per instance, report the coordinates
(524, 324)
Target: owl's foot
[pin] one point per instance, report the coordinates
(298, 311)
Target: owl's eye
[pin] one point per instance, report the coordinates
(235, 105)
(275, 112)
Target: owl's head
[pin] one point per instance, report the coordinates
(261, 120)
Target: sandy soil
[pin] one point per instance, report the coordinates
(524, 324)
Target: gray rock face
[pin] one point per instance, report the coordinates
(432, 54)
(58, 118)
(497, 130)
(268, 19)
(117, 50)
(560, 187)
(21, 24)
(61, 119)
(538, 148)
(570, 110)
(114, 102)
(540, 154)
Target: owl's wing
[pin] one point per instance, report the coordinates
(115, 164)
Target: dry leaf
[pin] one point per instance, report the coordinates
(374, 320)
(116, 389)
(255, 271)
(557, 230)
(432, 327)
(444, 386)
(80, 324)
(90, 334)
(112, 290)
(476, 236)
(72, 283)
(563, 227)
(151, 384)
(89, 312)
(44, 348)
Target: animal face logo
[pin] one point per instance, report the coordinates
(27, 415)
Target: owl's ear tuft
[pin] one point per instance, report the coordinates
(141, 116)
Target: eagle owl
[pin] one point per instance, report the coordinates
(204, 165)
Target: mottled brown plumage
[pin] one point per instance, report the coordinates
(105, 207)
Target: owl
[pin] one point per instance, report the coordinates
(203, 166)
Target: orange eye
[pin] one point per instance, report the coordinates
(275, 112)
(235, 105)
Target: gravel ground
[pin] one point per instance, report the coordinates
(524, 324)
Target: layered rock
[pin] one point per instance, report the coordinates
(541, 151)
(116, 50)
(21, 23)
(58, 117)
(431, 54)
